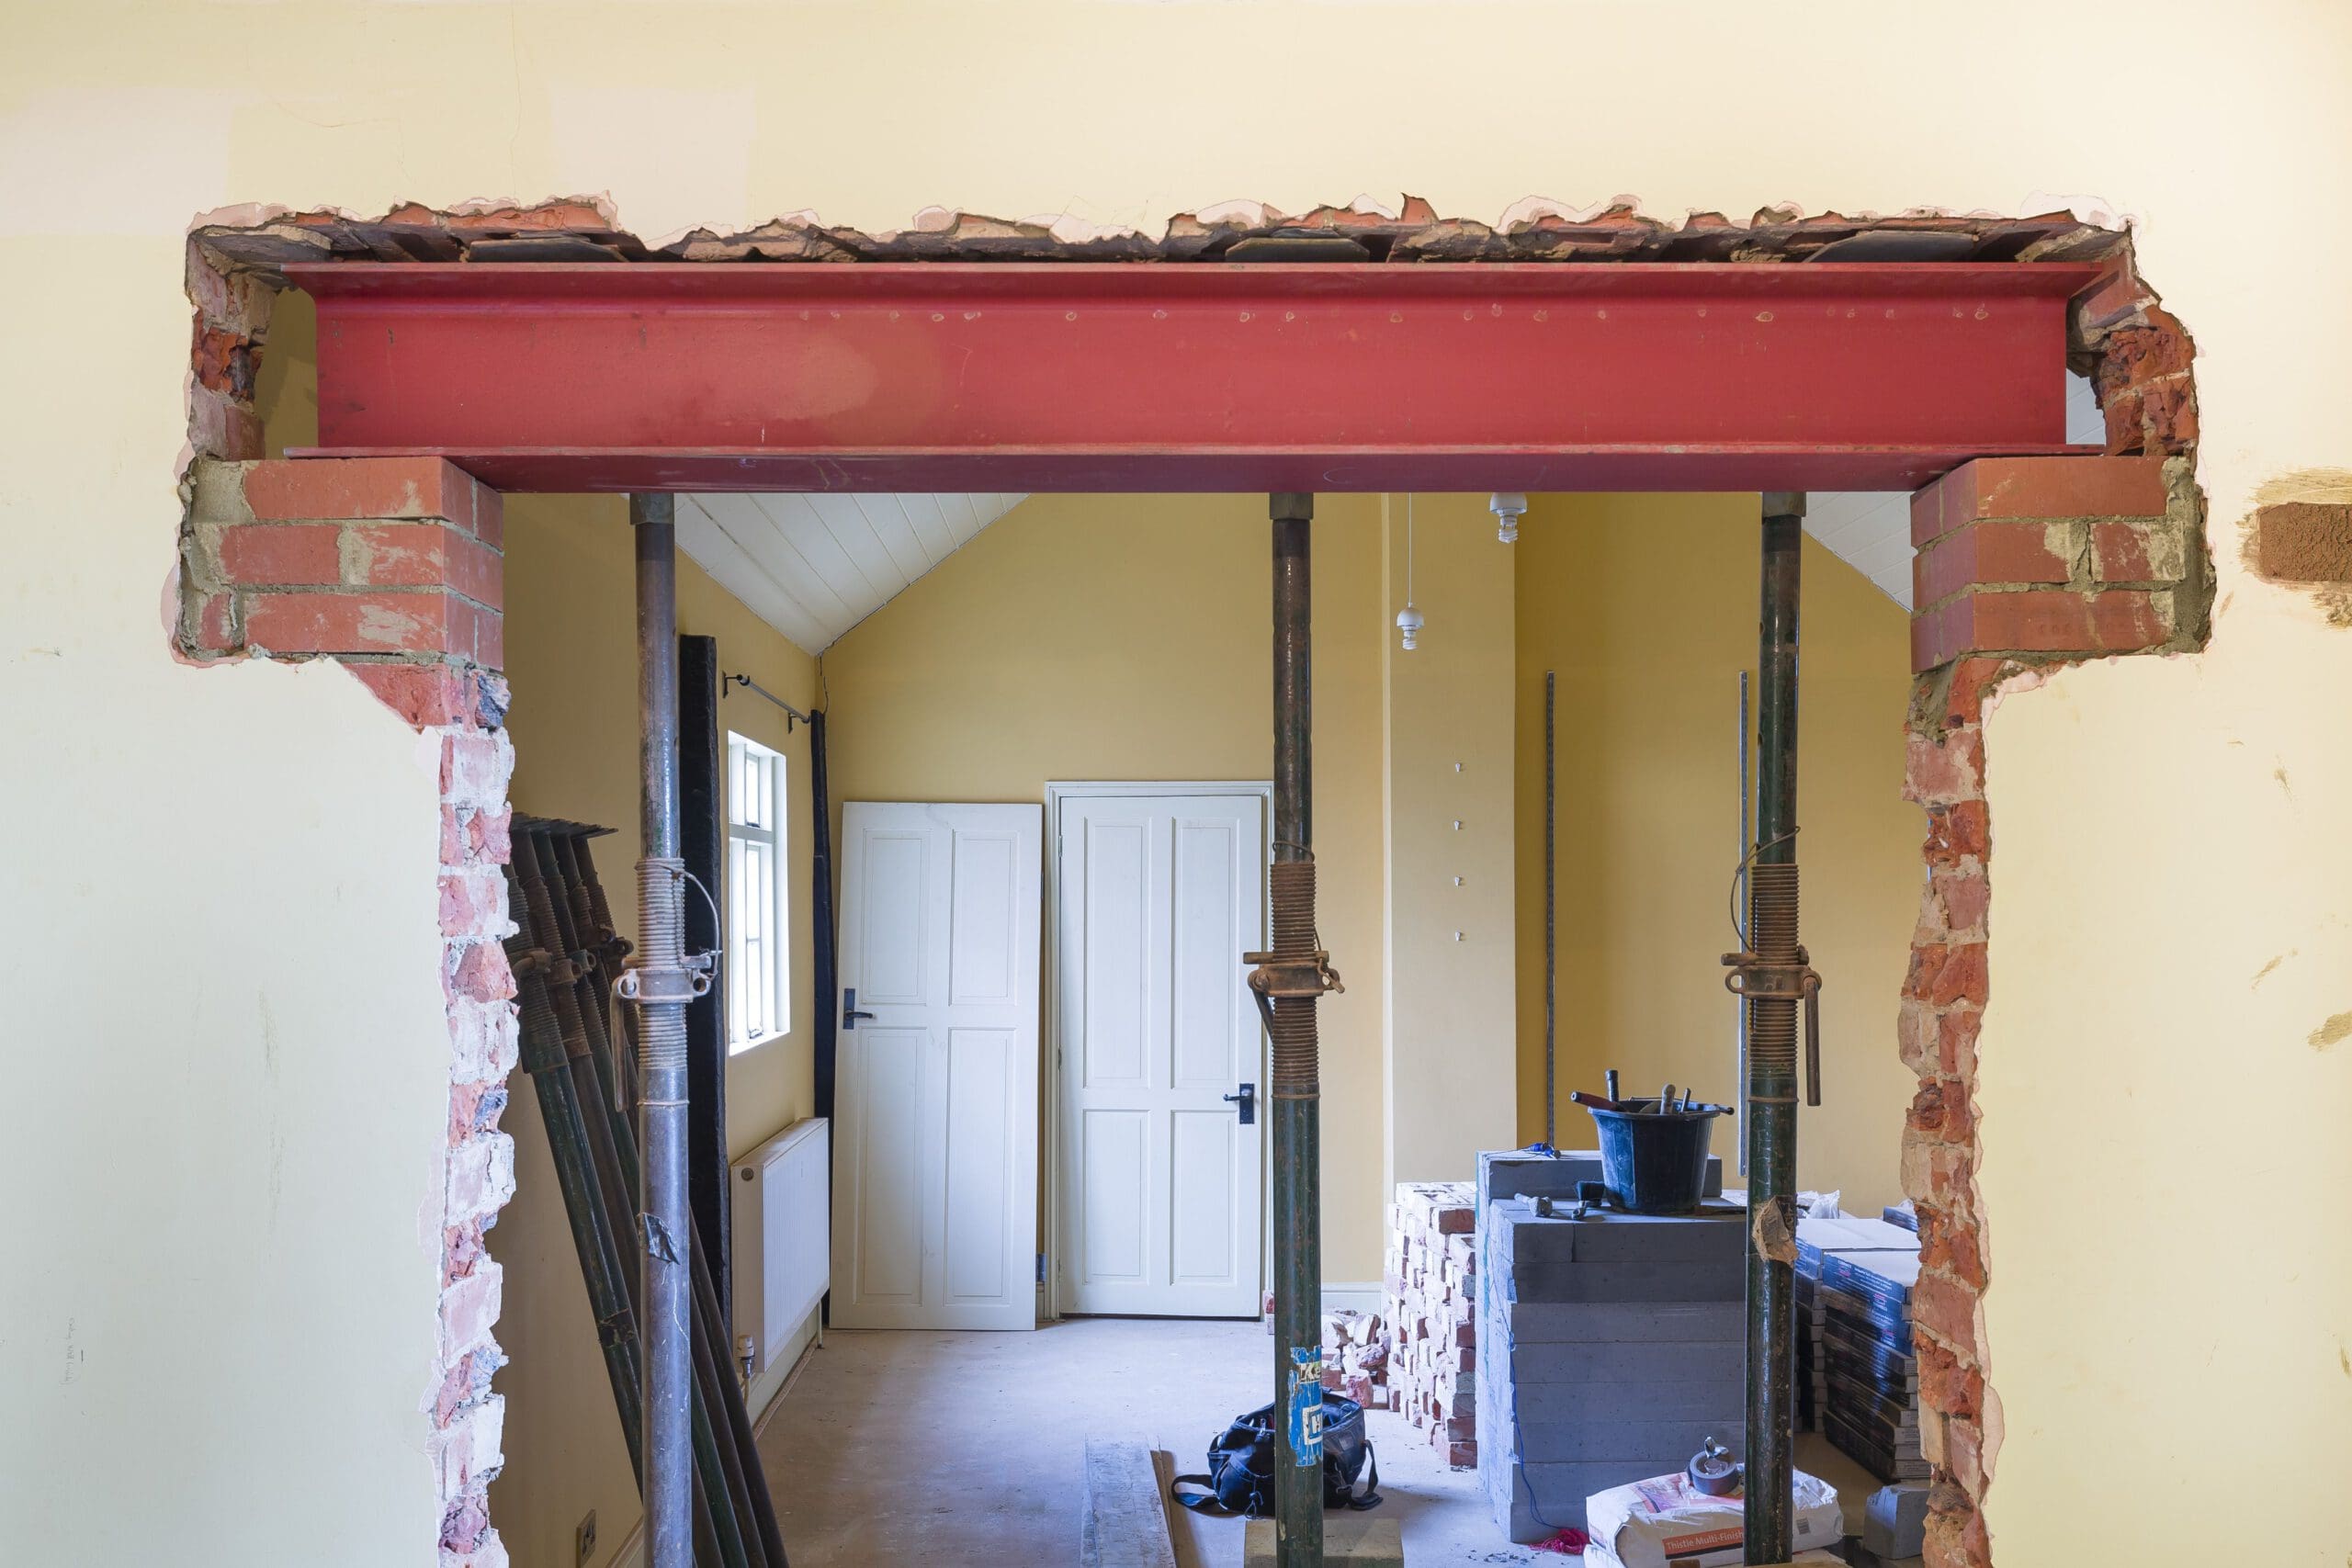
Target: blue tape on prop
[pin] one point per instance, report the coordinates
(1306, 1404)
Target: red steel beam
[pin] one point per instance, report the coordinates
(1193, 377)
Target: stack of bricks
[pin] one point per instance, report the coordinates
(1355, 1357)
(1433, 1312)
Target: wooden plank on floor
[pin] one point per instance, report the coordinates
(1126, 1524)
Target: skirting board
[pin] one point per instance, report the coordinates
(1352, 1294)
(760, 1398)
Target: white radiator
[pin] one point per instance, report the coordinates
(780, 1220)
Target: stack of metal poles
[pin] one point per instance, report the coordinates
(565, 955)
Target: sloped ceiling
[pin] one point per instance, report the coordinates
(814, 566)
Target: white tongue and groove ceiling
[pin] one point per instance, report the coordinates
(813, 566)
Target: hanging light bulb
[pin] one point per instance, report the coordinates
(1508, 510)
(1408, 619)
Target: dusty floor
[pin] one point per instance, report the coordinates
(896, 1448)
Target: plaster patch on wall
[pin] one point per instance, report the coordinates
(2298, 535)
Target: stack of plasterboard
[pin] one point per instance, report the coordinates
(1816, 1240)
(1872, 1382)
(1611, 1347)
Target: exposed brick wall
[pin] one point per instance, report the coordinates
(359, 558)
(2023, 562)
(2066, 557)
(2138, 355)
(394, 568)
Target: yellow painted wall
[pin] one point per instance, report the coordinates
(1086, 637)
(571, 663)
(1447, 785)
(1644, 607)
(228, 798)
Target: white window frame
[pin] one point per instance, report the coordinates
(758, 976)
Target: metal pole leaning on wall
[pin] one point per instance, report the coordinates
(660, 985)
(1286, 982)
(1767, 975)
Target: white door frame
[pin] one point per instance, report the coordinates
(1049, 1300)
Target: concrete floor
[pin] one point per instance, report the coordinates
(894, 1449)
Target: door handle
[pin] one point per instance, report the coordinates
(1248, 1101)
(850, 1013)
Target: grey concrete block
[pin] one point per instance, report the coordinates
(1895, 1521)
(1622, 1360)
(1529, 1323)
(1358, 1540)
(1530, 1404)
(1515, 1173)
(1578, 1442)
(1582, 1283)
(1519, 1233)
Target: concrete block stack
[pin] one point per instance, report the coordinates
(1613, 1345)
(1432, 1298)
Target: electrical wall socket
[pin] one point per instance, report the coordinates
(583, 1540)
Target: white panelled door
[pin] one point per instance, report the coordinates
(935, 1192)
(1158, 899)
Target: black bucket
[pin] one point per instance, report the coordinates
(1653, 1162)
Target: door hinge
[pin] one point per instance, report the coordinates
(1041, 1268)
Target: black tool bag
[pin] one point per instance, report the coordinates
(1240, 1478)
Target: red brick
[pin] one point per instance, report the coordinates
(1961, 977)
(425, 696)
(1963, 897)
(223, 425)
(2131, 356)
(352, 622)
(281, 556)
(1956, 1031)
(1947, 1307)
(1956, 831)
(1948, 1385)
(2126, 552)
(482, 973)
(344, 489)
(2171, 415)
(394, 555)
(1951, 1245)
(2117, 298)
(2125, 420)
(2304, 541)
(1971, 679)
(1940, 773)
(1990, 552)
(215, 624)
(2043, 488)
(2055, 620)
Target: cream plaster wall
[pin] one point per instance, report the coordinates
(2224, 130)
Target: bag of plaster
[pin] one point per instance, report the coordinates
(1666, 1521)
